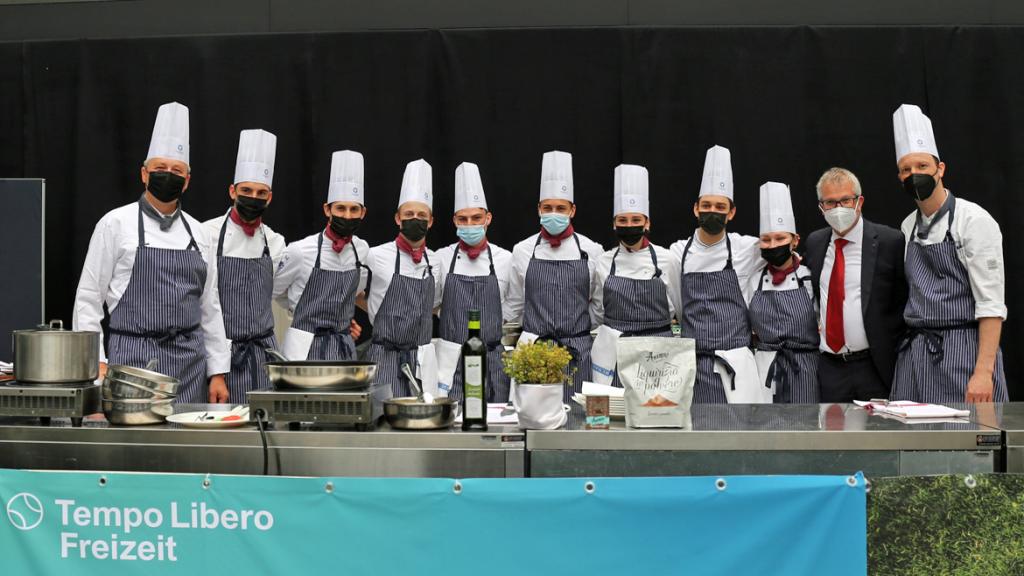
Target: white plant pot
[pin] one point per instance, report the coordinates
(539, 406)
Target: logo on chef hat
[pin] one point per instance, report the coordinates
(632, 201)
(779, 220)
(25, 511)
(920, 142)
(721, 184)
(266, 171)
(476, 197)
(564, 188)
(180, 147)
(355, 190)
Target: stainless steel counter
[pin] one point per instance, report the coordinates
(767, 439)
(499, 452)
(1010, 419)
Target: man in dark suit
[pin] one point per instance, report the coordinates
(857, 272)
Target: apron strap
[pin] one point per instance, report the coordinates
(948, 208)
(455, 256)
(728, 247)
(654, 260)
(398, 259)
(192, 240)
(583, 255)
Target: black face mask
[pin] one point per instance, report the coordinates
(630, 235)
(712, 222)
(920, 186)
(345, 227)
(250, 208)
(414, 229)
(165, 186)
(778, 255)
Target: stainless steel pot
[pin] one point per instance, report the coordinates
(51, 355)
(414, 414)
(137, 411)
(130, 382)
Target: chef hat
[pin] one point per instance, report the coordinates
(469, 189)
(556, 176)
(417, 184)
(717, 178)
(170, 133)
(776, 209)
(255, 163)
(631, 190)
(912, 131)
(346, 177)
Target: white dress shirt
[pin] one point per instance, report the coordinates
(382, 262)
(788, 283)
(481, 266)
(108, 269)
(746, 259)
(521, 254)
(853, 312)
(238, 245)
(300, 257)
(638, 266)
(979, 246)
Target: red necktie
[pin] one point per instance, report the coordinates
(835, 336)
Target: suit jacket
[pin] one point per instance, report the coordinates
(883, 288)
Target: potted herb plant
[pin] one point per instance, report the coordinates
(540, 374)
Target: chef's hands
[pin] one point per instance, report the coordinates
(218, 389)
(980, 387)
(354, 330)
(103, 371)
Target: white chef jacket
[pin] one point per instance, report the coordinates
(636, 265)
(381, 261)
(300, 257)
(238, 245)
(979, 246)
(789, 283)
(521, 253)
(854, 333)
(481, 266)
(108, 269)
(746, 259)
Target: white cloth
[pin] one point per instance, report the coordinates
(346, 184)
(170, 133)
(238, 245)
(912, 132)
(776, 209)
(604, 355)
(108, 268)
(521, 253)
(789, 283)
(631, 190)
(749, 388)
(717, 178)
(480, 266)
(979, 244)
(539, 406)
(746, 259)
(853, 312)
(255, 162)
(469, 189)
(417, 184)
(556, 176)
(381, 261)
(300, 257)
(636, 265)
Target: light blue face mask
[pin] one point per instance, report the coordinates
(471, 235)
(555, 224)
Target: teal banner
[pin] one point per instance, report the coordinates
(108, 524)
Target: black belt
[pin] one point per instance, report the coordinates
(849, 356)
(160, 337)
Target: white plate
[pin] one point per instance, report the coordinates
(212, 421)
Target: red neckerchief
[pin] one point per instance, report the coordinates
(473, 251)
(338, 243)
(779, 275)
(404, 246)
(248, 228)
(643, 244)
(556, 241)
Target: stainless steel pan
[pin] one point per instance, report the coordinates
(318, 375)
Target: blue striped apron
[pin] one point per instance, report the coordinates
(715, 315)
(938, 353)
(160, 315)
(326, 307)
(636, 306)
(558, 308)
(403, 323)
(785, 322)
(246, 286)
(461, 294)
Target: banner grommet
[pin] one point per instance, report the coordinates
(721, 484)
(329, 487)
(851, 481)
(103, 481)
(457, 487)
(589, 487)
(207, 482)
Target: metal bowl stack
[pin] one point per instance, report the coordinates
(137, 395)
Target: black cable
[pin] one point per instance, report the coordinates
(260, 414)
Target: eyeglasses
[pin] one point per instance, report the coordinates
(848, 202)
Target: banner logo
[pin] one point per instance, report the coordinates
(25, 511)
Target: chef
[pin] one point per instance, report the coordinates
(151, 264)
(320, 275)
(954, 267)
(715, 270)
(477, 278)
(407, 285)
(553, 271)
(636, 277)
(248, 252)
(782, 314)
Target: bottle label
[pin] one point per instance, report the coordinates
(473, 385)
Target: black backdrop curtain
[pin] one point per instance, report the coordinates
(788, 102)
